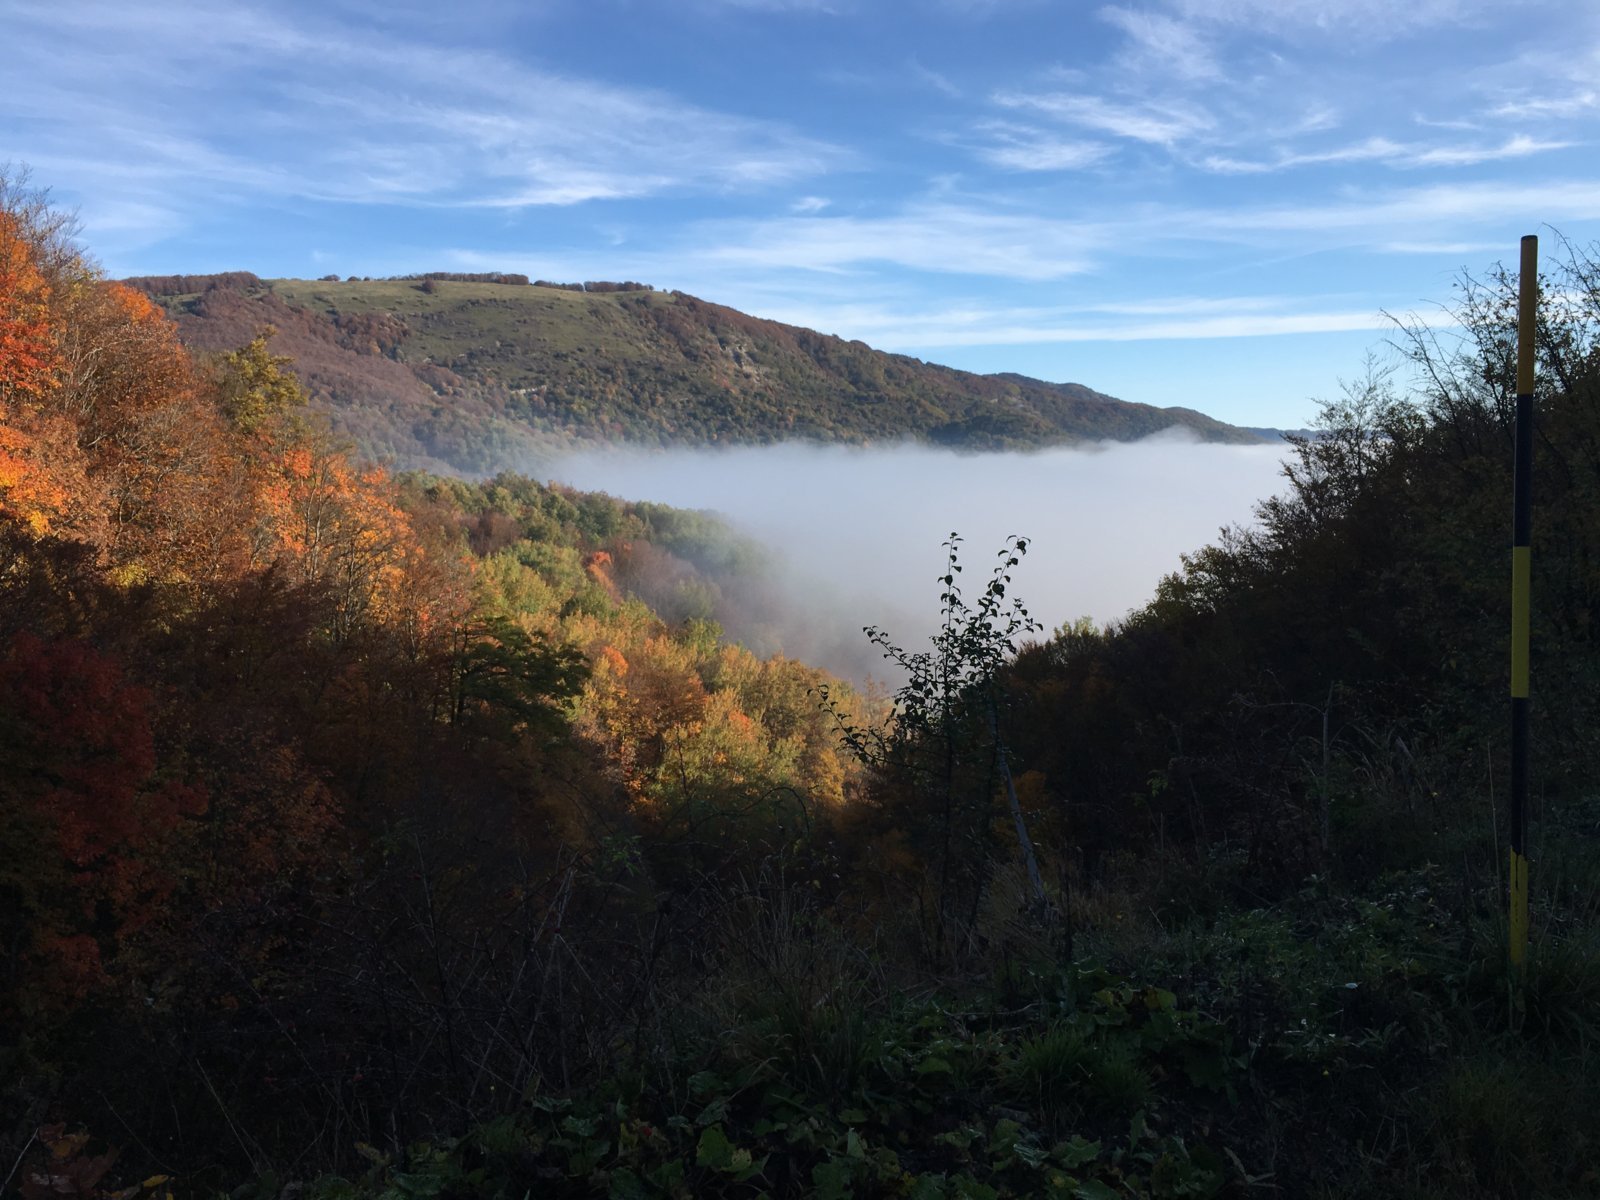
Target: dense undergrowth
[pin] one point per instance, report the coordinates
(419, 838)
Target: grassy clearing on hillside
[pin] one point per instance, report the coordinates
(497, 327)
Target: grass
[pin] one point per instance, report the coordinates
(498, 328)
(1065, 1074)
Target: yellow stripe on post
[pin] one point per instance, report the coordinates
(1521, 605)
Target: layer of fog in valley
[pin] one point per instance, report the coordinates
(856, 534)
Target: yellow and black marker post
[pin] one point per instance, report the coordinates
(1521, 599)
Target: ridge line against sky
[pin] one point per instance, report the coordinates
(1200, 202)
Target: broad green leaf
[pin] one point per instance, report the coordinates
(832, 1180)
(715, 1150)
(1076, 1152)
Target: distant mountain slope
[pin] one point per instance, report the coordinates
(477, 376)
(1269, 434)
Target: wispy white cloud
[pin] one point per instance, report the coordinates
(1424, 247)
(1455, 123)
(1024, 148)
(934, 79)
(833, 260)
(1160, 123)
(1159, 43)
(397, 121)
(1520, 146)
(1320, 116)
(1368, 20)
(1571, 104)
(1382, 217)
(1390, 153)
(819, 6)
(986, 8)
(1370, 150)
(778, 258)
(942, 238)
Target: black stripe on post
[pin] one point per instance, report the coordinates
(1522, 598)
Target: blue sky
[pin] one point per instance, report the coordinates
(1202, 202)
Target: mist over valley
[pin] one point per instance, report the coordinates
(849, 465)
(855, 534)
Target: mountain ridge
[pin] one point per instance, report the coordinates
(466, 375)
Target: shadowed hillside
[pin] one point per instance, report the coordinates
(475, 376)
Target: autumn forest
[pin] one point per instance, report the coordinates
(390, 833)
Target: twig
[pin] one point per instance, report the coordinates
(133, 1133)
(28, 1145)
(255, 1163)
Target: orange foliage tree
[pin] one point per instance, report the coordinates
(153, 440)
(35, 452)
(29, 358)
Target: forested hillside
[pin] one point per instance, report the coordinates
(365, 836)
(1285, 779)
(470, 375)
(271, 708)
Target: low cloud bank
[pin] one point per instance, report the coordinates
(857, 533)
